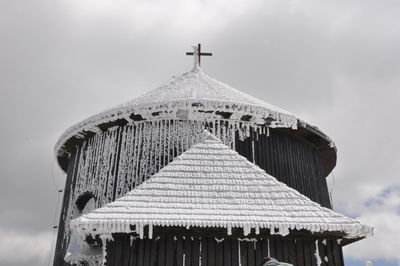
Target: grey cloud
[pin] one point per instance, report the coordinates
(335, 63)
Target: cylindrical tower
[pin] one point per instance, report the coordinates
(108, 154)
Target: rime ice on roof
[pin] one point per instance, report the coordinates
(199, 95)
(211, 185)
(196, 86)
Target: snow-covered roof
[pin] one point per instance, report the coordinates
(197, 86)
(210, 185)
(197, 96)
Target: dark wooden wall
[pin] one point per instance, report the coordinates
(62, 244)
(207, 251)
(288, 158)
(291, 160)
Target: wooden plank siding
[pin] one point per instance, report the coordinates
(289, 158)
(209, 251)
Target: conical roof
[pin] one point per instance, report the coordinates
(210, 185)
(195, 95)
(197, 87)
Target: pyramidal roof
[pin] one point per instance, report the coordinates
(210, 185)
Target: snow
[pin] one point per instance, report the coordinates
(210, 185)
(316, 254)
(79, 251)
(145, 148)
(191, 96)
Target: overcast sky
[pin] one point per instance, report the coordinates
(335, 63)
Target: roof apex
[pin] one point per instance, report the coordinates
(207, 135)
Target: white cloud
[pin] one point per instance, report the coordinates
(19, 247)
(382, 212)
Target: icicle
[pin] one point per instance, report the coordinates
(161, 146)
(248, 239)
(200, 252)
(150, 231)
(104, 240)
(233, 130)
(169, 141)
(317, 257)
(239, 255)
(253, 152)
(219, 240)
(138, 137)
(229, 227)
(140, 228)
(272, 230)
(267, 131)
(246, 230)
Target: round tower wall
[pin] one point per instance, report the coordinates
(113, 162)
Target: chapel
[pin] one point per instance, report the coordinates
(196, 172)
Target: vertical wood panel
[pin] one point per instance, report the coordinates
(126, 250)
(169, 251)
(337, 253)
(243, 253)
(133, 253)
(204, 252)
(211, 249)
(219, 253)
(166, 251)
(250, 253)
(292, 251)
(285, 246)
(70, 183)
(161, 251)
(140, 253)
(147, 251)
(195, 251)
(227, 252)
(300, 253)
(322, 253)
(307, 252)
(110, 254)
(188, 251)
(272, 247)
(265, 248)
(179, 252)
(313, 252)
(259, 256)
(279, 250)
(330, 253)
(235, 252)
(154, 252)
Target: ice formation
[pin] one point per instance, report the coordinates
(193, 95)
(210, 185)
(159, 126)
(139, 150)
(316, 254)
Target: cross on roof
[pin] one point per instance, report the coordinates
(197, 54)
